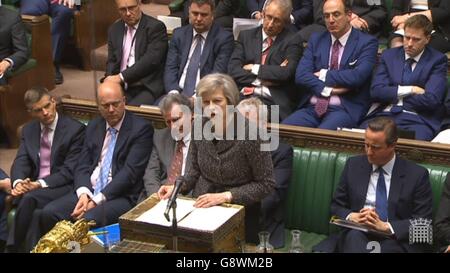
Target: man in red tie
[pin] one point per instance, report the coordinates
(170, 145)
(264, 59)
(43, 168)
(137, 48)
(335, 72)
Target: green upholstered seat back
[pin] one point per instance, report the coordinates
(311, 190)
(438, 175)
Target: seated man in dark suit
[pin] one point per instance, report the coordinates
(137, 48)
(301, 15)
(108, 178)
(382, 191)
(170, 145)
(13, 42)
(335, 71)
(5, 189)
(197, 49)
(442, 224)
(411, 82)
(44, 165)
(61, 12)
(272, 206)
(367, 16)
(264, 59)
(225, 12)
(444, 135)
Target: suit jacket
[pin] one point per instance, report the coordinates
(430, 73)
(442, 222)
(446, 120)
(3, 175)
(130, 157)
(410, 195)
(238, 166)
(272, 206)
(375, 15)
(160, 159)
(13, 41)
(248, 50)
(440, 12)
(355, 70)
(150, 51)
(66, 147)
(214, 59)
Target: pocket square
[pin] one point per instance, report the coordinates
(353, 63)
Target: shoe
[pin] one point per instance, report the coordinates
(59, 79)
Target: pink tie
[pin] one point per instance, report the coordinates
(321, 106)
(44, 154)
(127, 48)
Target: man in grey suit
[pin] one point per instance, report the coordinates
(170, 145)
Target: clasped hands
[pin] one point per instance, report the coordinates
(369, 217)
(83, 205)
(203, 201)
(25, 186)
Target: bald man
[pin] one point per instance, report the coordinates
(108, 178)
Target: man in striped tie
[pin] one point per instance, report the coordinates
(108, 178)
(43, 168)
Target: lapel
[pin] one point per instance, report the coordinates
(324, 47)
(126, 127)
(35, 142)
(139, 34)
(187, 41)
(424, 60)
(397, 182)
(257, 45)
(99, 138)
(119, 40)
(274, 49)
(362, 183)
(58, 136)
(398, 62)
(349, 48)
(208, 44)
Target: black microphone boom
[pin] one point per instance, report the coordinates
(173, 197)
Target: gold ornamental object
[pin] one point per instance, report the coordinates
(65, 237)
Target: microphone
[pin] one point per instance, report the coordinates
(178, 182)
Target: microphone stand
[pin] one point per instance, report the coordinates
(174, 226)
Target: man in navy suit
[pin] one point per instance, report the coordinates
(185, 65)
(108, 178)
(335, 71)
(5, 188)
(382, 191)
(137, 48)
(410, 83)
(61, 12)
(44, 165)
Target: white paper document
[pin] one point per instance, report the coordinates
(207, 219)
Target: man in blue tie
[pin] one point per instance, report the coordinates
(108, 178)
(382, 191)
(410, 82)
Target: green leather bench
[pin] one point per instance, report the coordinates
(315, 176)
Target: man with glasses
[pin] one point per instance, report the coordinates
(108, 178)
(44, 165)
(381, 191)
(137, 48)
(264, 59)
(335, 71)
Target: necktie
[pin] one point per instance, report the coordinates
(407, 71)
(106, 164)
(44, 154)
(321, 106)
(250, 90)
(127, 48)
(192, 70)
(177, 163)
(381, 203)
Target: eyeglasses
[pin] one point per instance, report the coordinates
(131, 9)
(114, 104)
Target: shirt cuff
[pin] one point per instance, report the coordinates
(292, 19)
(43, 184)
(326, 92)
(10, 61)
(255, 69)
(323, 74)
(15, 182)
(253, 14)
(174, 92)
(229, 197)
(404, 91)
(99, 198)
(85, 190)
(348, 217)
(390, 227)
(256, 82)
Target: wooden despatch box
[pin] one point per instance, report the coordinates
(229, 237)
